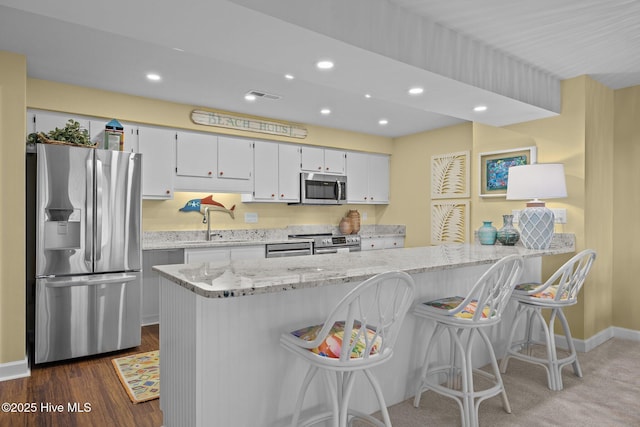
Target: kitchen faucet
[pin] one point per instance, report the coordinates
(206, 219)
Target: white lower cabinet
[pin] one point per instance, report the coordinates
(150, 281)
(381, 242)
(223, 253)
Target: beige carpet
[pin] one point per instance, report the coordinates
(607, 395)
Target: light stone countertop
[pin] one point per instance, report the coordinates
(167, 240)
(251, 277)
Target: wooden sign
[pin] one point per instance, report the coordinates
(228, 121)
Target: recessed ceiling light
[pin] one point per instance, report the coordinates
(480, 108)
(383, 122)
(416, 91)
(324, 64)
(289, 76)
(325, 111)
(250, 97)
(367, 95)
(153, 77)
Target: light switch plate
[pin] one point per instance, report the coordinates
(250, 217)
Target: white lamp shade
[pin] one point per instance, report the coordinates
(536, 181)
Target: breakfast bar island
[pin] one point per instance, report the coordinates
(221, 363)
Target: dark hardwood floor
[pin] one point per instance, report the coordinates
(90, 380)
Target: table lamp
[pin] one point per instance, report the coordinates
(535, 182)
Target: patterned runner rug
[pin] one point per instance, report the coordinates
(140, 375)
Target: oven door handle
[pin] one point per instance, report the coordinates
(325, 251)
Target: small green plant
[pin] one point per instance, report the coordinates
(71, 133)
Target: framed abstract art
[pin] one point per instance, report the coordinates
(494, 169)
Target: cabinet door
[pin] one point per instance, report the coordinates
(265, 170)
(393, 242)
(235, 158)
(247, 252)
(312, 159)
(334, 161)
(372, 243)
(130, 135)
(378, 179)
(157, 146)
(196, 255)
(196, 154)
(288, 173)
(357, 177)
(47, 121)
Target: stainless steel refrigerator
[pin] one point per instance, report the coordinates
(86, 233)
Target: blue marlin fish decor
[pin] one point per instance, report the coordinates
(198, 205)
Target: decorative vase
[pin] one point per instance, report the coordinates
(508, 235)
(487, 233)
(345, 226)
(354, 217)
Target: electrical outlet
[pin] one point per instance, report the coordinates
(250, 217)
(364, 216)
(516, 215)
(560, 215)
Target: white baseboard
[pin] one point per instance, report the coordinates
(13, 370)
(592, 342)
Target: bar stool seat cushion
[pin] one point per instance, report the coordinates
(467, 312)
(332, 344)
(548, 293)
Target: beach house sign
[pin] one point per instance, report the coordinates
(229, 121)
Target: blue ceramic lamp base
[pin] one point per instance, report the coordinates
(536, 227)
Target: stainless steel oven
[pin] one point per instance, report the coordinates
(329, 244)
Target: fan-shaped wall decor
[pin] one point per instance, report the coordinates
(450, 175)
(449, 221)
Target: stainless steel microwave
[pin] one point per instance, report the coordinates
(321, 189)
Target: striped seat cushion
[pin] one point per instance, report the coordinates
(450, 303)
(549, 293)
(331, 345)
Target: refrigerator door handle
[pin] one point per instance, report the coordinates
(88, 282)
(88, 220)
(98, 204)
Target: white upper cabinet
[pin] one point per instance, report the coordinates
(334, 161)
(235, 158)
(322, 160)
(288, 173)
(47, 121)
(265, 168)
(312, 159)
(157, 146)
(276, 173)
(196, 155)
(378, 178)
(367, 178)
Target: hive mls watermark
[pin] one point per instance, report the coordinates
(46, 407)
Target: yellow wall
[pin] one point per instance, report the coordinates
(626, 205)
(13, 72)
(164, 215)
(411, 178)
(581, 138)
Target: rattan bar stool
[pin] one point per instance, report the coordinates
(465, 319)
(560, 290)
(371, 315)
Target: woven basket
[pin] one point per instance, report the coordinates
(44, 140)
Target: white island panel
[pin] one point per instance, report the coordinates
(221, 361)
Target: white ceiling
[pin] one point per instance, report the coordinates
(508, 55)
